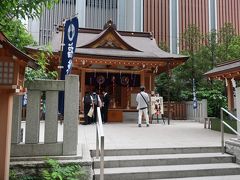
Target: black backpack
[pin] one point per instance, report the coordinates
(95, 99)
(87, 100)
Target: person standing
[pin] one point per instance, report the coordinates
(106, 100)
(142, 106)
(88, 104)
(96, 103)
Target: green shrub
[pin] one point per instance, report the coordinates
(52, 171)
(61, 172)
(216, 125)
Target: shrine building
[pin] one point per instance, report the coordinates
(118, 61)
(230, 73)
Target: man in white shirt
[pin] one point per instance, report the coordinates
(142, 101)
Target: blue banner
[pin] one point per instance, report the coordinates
(69, 46)
(70, 41)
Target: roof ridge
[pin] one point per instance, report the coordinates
(227, 63)
(122, 33)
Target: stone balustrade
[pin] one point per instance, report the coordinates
(50, 146)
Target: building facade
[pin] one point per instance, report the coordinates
(126, 14)
(168, 19)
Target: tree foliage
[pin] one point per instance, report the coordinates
(17, 34)
(204, 51)
(11, 11)
(42, 72)
(225, 38)
(22, 9)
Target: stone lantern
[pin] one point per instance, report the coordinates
(12, 70)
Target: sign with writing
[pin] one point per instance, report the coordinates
(156, 105)
(69, 46)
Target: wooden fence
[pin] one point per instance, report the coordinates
(177, 110)
(184, 110)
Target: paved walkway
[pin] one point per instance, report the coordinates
(128, 135)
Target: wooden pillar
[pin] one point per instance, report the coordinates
(169, 76)
(142, 78)
(6, 103)
(230, 95)
(152, 85)
(82, 84)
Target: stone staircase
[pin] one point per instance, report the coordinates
(195, 163)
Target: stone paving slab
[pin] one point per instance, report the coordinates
(180, 133)
(128, 136)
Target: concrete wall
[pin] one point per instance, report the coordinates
(197, 114)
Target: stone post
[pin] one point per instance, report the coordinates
(51, 118)
(204, 110)
(33, 117)
(71, 111)
(16, 119)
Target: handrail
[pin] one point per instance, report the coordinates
(100, 138)
(226, 124)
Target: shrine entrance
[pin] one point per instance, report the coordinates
(119, 85)
(118, 61)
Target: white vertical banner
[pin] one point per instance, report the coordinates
(194, 95)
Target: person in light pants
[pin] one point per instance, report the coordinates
(142, 101)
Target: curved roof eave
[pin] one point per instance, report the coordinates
(183, 58)
(224, 68)
(29, 60)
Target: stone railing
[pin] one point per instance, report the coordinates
(197, 114)
(50, 146)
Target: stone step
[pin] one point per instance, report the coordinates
(170, 171)
(227, 177)
(154, 151)
(165, 159)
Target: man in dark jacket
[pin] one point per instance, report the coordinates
(106, 100)
(88, 103)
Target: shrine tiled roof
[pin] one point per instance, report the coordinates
(224, 69)
(124, 44)
(17, 52)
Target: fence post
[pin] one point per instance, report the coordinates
(16, 119)
(33, 117)
(204, 110)
(51, 117)
(71, 110)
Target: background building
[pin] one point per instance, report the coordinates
(126, 14)
(168, 19)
